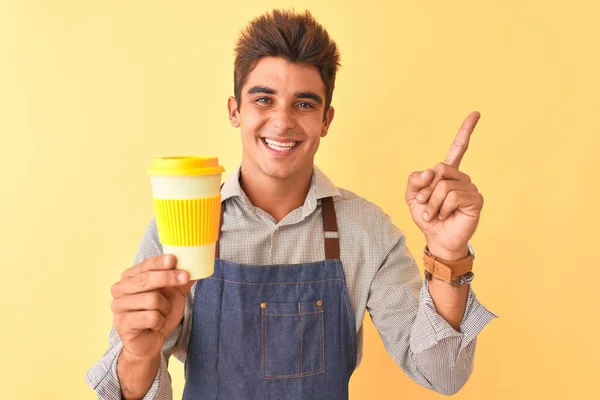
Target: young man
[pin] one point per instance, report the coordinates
(299, 260)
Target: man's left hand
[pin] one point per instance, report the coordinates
(443, 201)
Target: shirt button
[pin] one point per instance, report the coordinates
(319, 303)
(263, 305)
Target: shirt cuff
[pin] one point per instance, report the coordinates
(430, 327)
(103, 378)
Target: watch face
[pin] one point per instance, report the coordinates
(471, 251)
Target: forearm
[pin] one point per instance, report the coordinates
(449, 302)
(136, 376)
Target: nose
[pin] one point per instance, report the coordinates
(281, 121)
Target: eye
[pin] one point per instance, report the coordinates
(263, 100)
(305, 105)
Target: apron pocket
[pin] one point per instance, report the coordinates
(293, 339)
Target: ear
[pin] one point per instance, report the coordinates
(327, 121)
(234, 115)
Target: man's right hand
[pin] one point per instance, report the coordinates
(148, 304)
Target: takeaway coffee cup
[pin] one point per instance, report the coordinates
(187, 206)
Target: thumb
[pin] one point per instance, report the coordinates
(417, 181)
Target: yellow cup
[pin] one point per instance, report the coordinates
(187, 205)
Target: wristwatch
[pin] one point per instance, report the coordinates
(456, 273)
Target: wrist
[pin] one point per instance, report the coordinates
(133, 359)
(446, 255)
(454, 268)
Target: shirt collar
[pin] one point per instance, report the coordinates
(232, 187)
(320, 187)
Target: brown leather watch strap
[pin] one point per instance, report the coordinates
(448, 271)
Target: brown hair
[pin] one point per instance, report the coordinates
(294, 37)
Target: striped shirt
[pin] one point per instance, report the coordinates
(381, 275)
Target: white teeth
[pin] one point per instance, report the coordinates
(280, 146)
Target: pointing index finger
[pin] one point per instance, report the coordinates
(461, 141)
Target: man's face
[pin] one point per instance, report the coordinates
(281, 118)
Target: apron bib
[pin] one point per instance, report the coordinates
(273, 331)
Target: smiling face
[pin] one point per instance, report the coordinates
(282, 118)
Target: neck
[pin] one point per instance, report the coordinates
(278, 197)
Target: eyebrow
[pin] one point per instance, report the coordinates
(299, 95)
(309, 95)
(261, 89)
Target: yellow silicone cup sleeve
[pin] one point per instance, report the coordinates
(190, 222)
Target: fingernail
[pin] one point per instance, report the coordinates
(420, 197)
(167, 260)
(181, 277)
(440, 217)
(425, 216)
(423, 174)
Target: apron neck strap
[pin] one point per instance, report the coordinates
(330, 229)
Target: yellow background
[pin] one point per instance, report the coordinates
(90, 91)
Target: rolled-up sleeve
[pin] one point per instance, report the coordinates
(420, 341)
(103, 378)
